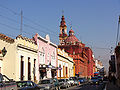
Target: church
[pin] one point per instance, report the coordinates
(82, 55)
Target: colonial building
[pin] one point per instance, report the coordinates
(47, 57)
(26, 58)
(6, 60)
(20, 59)
(74, 48)
(65, 65)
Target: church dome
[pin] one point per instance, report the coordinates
(71, 38)
(71, 31)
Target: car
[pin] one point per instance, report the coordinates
(48, 84)
(7, 83)
(28, 85)
(81, 80)
(100, 78)
(71, 81)
(94, 80)
(68, 81)
(76, 82)
(56, 84)
(63, 83)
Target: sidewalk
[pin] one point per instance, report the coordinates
(111, 86)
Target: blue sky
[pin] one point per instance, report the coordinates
(94, 22)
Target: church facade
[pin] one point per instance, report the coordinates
(82, 55)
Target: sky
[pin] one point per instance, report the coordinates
(94, 22)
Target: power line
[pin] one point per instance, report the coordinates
(15, 13)
(13, 28)
(9, 10)
(24, 24)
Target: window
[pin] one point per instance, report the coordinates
(66, 72)
(29, 69)
(34, 70)
(22, 68)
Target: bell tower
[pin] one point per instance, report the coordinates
(63, 31)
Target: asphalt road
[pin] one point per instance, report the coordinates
(87, 86)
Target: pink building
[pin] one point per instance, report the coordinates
(47, 58)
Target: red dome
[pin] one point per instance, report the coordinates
(72, 39)
(71, 31)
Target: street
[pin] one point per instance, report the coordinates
(87, 86)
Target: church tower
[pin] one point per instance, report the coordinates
(63, 31)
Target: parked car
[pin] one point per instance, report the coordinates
(56, 84)
(68, 81)
(94, 80)
(71, 81)
(6, 83)
(28, 85)
(63, 83)
(48, 84)
(100, 78)
(81, 80)
(74, 78)
(76, 82)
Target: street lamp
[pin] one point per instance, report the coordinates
(4, 51)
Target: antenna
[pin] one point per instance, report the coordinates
(21, 22)
(118, 32)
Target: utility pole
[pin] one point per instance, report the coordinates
(118, 32)
(21, 22)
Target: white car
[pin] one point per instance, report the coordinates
(71, 82)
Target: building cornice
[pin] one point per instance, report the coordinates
(27, 48)
(65, 58)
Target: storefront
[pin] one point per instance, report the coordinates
(54, 72)
(43, 71)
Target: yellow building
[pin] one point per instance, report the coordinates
(19, 61)
(26, 57)
(7, 65)
(65, 65)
